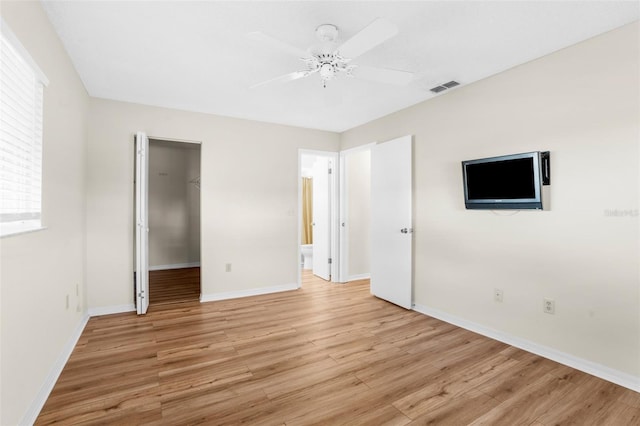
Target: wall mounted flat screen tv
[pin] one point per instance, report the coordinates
(507, 182)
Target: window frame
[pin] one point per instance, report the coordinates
(28, 225)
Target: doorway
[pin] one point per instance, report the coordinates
(172, 200)
(318, 216)
(370, 209)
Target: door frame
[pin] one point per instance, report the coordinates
(344, 210)
(334, 200)
(135, 198)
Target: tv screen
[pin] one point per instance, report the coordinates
(505, 182)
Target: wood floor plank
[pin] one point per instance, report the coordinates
(366, 412)
(249, 408)
(174, 285)
(324, 354)
(451, 383)
(319, 401)
(509, 382)
(595, 402)
(529, 404)
(632, 399)
(460, 410)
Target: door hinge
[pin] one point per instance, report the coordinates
(330, 170)
(330, 261)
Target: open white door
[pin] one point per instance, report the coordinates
(321, 219)
(391, 221)
(142, 224)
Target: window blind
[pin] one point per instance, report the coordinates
(21, 107)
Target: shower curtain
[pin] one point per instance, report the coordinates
(307, 210)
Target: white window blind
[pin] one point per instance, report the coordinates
(21, 89)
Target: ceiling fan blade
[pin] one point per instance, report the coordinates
(283, 78)
(369, 37)
(382, 75)
(279, 45)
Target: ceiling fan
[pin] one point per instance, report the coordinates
(328, 59)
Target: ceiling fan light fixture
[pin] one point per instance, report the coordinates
(327, 71)
(327, 32)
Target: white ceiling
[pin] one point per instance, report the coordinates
(195, 56)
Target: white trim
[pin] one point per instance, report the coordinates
(343, 235)
(38, 402)
(334, 219)
(108, 310)
(615, 376)
(364, 147)
(174, 266)
(343, 197)
(298, 213)
(246, 293)
(163, 139)
(359, 277)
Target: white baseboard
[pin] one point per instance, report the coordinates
(31, 415)
(615, 376)
(174, 266)
(246, 293)
(359, 277)
(108, 310)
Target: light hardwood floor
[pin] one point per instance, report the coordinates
(326, 354)
(174, 285)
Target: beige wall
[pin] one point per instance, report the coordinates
(582, 104)
(39, 270)
(249, 197)
(358, 186)
(174, 203)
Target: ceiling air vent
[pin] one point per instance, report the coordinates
(445, 86)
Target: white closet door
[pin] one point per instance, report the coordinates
(391, 221)
(142, 223)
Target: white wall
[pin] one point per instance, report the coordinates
(582, 104)
(174, 204)
(358, 197)
(40, 269)
(249, 197)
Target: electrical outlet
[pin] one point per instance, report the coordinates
(67, 302)
(497, 294)
(549, 306)
(227, 267)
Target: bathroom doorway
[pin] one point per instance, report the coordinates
(318, 212)
(173, 221)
